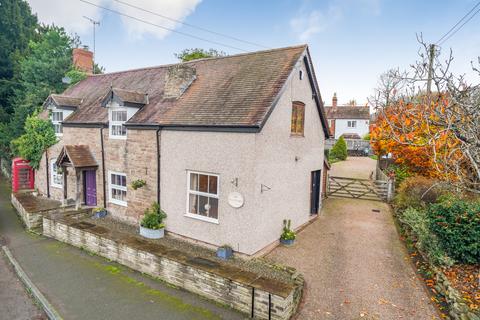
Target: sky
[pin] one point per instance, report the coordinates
(351, 41)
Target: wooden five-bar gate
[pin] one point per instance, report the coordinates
(360, 188)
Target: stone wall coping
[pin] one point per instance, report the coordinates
(33, 204)
(244, 277)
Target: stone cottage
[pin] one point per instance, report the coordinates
(228, 146)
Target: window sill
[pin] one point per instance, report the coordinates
(202, 218)
(117, 137)
(118, 203)
(58, 186)
(293, 135)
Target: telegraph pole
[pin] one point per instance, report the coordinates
(430, 67)
(94, 23)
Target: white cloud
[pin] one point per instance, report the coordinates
(69, 14)
(175, 9)
(306, 25)
(309, 22)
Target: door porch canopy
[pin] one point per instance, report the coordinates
(79, 158)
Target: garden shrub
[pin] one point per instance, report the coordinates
(418, 224)
(339, 150)
(456, 223)
(418, 192)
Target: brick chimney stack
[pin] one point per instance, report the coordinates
(334, 100)
(83, 60)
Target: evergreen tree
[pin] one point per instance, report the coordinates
(339, 150)
(17, 28)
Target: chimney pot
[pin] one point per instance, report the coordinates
(334, 100)
(83, 60)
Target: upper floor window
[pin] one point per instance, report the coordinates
(202, 196)
(352, 124)
(298, 118)
(57, 118)
(117, 123)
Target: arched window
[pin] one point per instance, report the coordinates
(298, 118)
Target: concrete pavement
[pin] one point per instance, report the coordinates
(82, 286)
(354, 264)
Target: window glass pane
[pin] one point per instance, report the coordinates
(123, 130)
(193, 203)
(203, 183)
(213, 213)
(194, 181)
(123, 181)
(203, 206)
(212, 184)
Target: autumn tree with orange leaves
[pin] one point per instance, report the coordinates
(433, 134)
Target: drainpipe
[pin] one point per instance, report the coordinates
(158, 164)
(103, 169)
(48, 175)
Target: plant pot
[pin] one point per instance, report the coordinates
(287, 242)
(151, 233)
(224, 253)
(101, 214)
(35, 193)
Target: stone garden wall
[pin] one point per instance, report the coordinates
(241, 290)
(458, 309)
(31, 220)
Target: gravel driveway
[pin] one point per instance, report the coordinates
(354, 264)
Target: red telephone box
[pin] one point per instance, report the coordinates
(23, 176)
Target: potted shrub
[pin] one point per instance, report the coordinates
(288, 235)
(99, 212)
(225, 252)
(152, 225)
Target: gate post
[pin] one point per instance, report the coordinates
(390, 189)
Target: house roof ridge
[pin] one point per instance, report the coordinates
(197, 60)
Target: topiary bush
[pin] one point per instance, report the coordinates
(339, 150)
(456, 223)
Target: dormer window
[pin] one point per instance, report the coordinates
(57, 118)
(118, 117)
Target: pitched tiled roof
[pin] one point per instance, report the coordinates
(129, 96)
(78, 155)
(232, 91)
(65, 101)
(348, 112)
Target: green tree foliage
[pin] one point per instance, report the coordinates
(198, 53)
(40, 73)
(39, 135)
(339, 150)
(456, 223)
(17, 28)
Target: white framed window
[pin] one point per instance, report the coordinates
(117, 120)
(202, 196)
(57, 118)
(118, 188)
(56, 176)
(352, 124)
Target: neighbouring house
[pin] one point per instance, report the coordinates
(351, 121)
(228, 146)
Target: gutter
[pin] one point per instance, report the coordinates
(158, 163)
(103, 169)
(48, 173)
